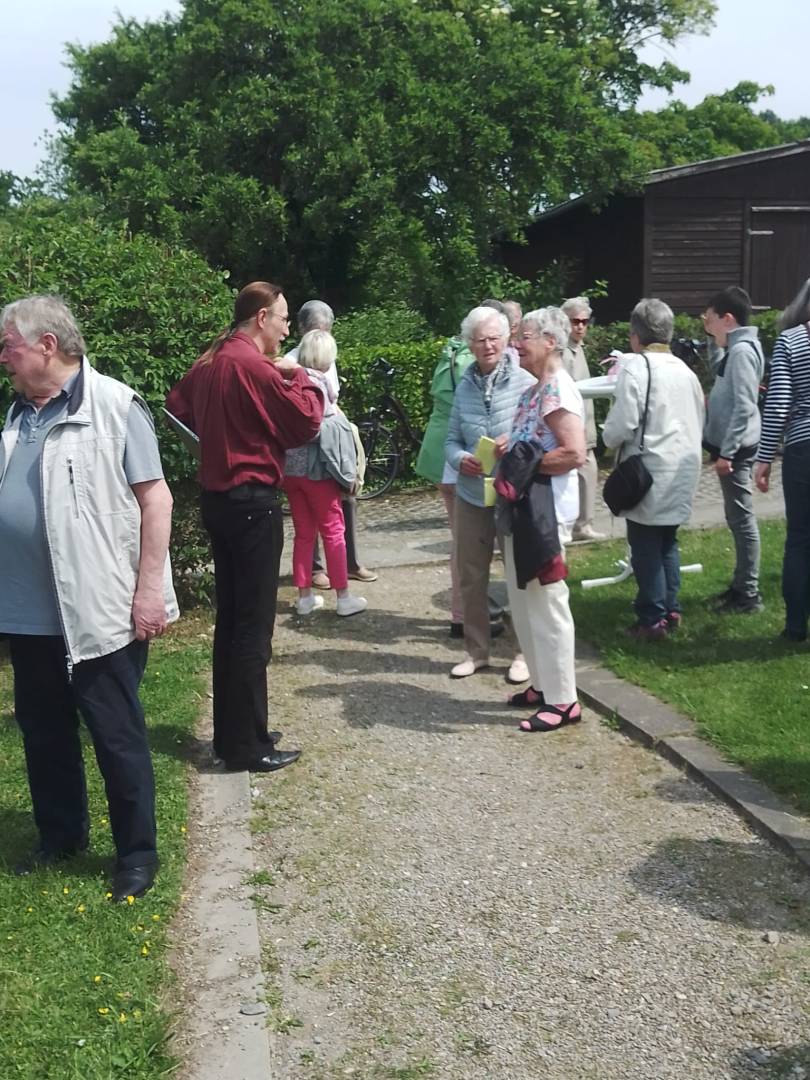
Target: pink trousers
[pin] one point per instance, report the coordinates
(315, 507)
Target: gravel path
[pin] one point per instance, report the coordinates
(440, 895)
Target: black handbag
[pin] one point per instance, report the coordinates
(630, 480)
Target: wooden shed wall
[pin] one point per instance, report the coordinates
(746, 225)
(693, 247)
(606, 245)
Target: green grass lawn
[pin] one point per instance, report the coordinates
(82, 980)
(747, 689)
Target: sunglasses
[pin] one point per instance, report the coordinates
(580, 322)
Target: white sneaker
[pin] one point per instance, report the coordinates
(518, 670)
(351, 605)
(587, 532)
(305, 605)
(468, 666)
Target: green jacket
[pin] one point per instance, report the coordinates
(453, 362)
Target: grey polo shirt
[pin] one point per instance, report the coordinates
(27, 598)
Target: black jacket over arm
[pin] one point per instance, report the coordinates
(528, 514)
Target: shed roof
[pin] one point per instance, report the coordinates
(675, 172)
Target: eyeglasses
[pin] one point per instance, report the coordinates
(487, 340)
(580, 322)
(284, 318)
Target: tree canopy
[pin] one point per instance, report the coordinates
(364, 149)
(721, 124)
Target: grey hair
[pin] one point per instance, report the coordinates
(797, 311)
(317, 350)
(315, 315)
(652, 322)
(552, 321)
(514, 312)
(474, 318)
(34, 316)
(576, 303)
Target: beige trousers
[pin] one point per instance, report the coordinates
(588, 480)
(449, 495)
(474, 545)
(545, 631)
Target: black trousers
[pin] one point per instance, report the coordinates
(349, 506)
(247, 535)
(47, 705)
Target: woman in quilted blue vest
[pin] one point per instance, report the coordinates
(484, 405)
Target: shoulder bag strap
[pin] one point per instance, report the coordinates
(646, 404)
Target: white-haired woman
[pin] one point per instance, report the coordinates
(317, 475)
(550, 417)
(787, 416)
(484, 404)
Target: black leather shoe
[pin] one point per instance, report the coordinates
(273, 737)
(269, 763)
(44, 859)
(133, 881)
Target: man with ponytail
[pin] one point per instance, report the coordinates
(247, 409)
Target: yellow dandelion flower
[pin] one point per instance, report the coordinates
(103, 1010)
(96, 978)
(145, 951)
(138, 927)
(130, 899)
(108, 895)
(81, 908)
(29, 909)
(102, 821)
(155, 918)
(65, 890)
(182, 828)
(122, 1018)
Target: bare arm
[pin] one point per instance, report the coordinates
(149, 604)
(569, 431)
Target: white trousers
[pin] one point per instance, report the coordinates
(545, 631)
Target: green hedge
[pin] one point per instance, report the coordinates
(146, 311)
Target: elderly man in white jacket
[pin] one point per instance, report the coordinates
(672, 454)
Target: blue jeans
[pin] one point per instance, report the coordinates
(656, 564)
(796, 564)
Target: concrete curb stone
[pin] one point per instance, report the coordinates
(220, 943)
(659, 727)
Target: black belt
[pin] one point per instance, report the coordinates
(249, 492)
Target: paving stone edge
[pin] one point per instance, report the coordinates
(659, 727)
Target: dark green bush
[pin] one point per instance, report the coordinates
(414, 363)
(146, 311)
(377, 326)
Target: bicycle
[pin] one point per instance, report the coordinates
(383, 431)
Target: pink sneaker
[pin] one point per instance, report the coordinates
(657, 632)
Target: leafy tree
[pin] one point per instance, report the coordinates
(721, 124)
(365, 150)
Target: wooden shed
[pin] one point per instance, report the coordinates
(739, 220)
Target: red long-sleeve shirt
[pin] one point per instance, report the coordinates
(246, 415)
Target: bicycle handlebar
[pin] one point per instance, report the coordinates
(384, 367)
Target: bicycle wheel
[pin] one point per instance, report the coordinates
(382, 458)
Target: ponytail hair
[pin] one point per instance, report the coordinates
(251, 299)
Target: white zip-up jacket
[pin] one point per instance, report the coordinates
(92, 518)
(672, 443)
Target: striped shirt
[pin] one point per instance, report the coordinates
(787, 405)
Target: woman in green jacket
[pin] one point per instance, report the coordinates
(453, 362)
